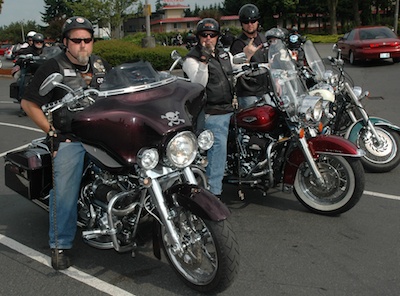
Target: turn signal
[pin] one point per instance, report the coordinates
(301, 133)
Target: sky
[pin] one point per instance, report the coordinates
(29, 10)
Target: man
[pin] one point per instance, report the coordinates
(251, 88)
(80, 69)
(22, 70)
(210, 66)
(29, 40)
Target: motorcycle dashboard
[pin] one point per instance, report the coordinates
(133, 77)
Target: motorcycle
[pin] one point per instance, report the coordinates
(138, 134)
(272, 144)
(379, 138)
(25, 67)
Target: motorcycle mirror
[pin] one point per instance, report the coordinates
(239, 58)
(49, 83)
(175, 55)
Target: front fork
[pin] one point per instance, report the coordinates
(165, 215)
(364, 115)
(310, 160)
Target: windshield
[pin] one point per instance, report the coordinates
(314, 60)
(287, 83)
(134, 77)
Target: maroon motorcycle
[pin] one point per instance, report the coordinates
(142, 151)
(274, 143)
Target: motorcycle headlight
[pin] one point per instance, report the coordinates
(357, 91)
(205, 140)
(311, 108)
(182, 149)
(148, 158)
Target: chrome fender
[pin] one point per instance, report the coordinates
(322, 144)
(354, 129)
(199, 201)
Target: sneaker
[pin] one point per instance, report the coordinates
(59, 259)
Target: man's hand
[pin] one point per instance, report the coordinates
(235, 103)
(250, 49)
(206, 53)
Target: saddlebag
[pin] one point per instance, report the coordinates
(28, 172)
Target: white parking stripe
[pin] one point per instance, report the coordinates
(383, 195)
(71, 272)
(22, 126)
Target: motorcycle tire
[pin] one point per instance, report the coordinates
(344, 185)
(380, 159)
(210, 259)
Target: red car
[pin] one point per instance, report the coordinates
(370, 43)
(3, 48)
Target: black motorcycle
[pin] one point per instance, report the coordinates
(139, 134)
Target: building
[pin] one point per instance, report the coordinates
(171, 18)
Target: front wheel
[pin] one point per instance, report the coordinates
(342, 189)
(209, 260)
(380, 156)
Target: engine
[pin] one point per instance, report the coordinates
(100, 191)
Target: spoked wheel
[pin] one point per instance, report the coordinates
(209, 260)
(342, 189)
(380, 156)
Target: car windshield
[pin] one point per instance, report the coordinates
(376, 33)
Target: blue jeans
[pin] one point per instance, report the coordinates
(247, 102)
(219, 125)
(68, 167)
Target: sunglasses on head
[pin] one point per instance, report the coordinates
(212, 35)
(79, 40)
(252, 21)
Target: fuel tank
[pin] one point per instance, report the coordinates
(260, 118)
(122, 124)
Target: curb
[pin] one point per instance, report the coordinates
(6, 72)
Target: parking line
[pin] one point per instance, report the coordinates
(383, 195)
(72, 272)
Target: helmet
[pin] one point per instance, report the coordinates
(76, 22)
(249, 12)
(275, 33)
(294, 29)
(207, 24)
(30, 34)
(38, 37)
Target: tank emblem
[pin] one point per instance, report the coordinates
(173, 118)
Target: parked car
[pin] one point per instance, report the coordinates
(10, 53)
(370, 43)
(3, 48)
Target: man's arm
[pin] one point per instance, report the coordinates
(196, 71)
(36, 114)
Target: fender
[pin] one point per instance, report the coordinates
(322, 144)
(354, 130)
(199, 201)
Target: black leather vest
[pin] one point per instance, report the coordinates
(219, 88)
(74, 78)
(254, 85)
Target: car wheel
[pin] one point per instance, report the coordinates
(352, 59)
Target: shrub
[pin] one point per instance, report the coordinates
(117, 52)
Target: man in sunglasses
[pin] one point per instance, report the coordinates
(251, 88)
(208, 64)
(79, 69)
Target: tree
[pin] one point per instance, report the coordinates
(111, 12)
(332, 6)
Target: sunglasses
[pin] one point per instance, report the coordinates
(79, 40)
(205, 35)
(247, 22)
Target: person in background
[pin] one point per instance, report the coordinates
(208, 64)
(251, 88)
(79, 68)
(28, 40)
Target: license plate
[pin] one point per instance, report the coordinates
(384, 55)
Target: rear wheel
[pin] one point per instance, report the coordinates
(383, 156)
(209, 260)
(342, 189)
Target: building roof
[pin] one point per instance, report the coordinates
(177, 6)
(190, 19)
